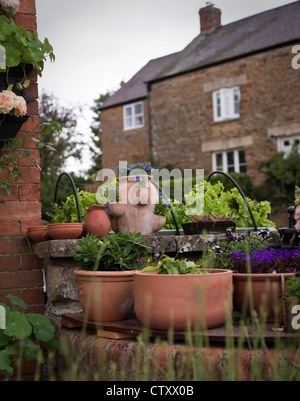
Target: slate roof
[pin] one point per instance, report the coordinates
(259, 32)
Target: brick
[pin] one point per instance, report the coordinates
(33, 296)
(31, 175)
(29, 223)
(29, 261)
(21, 279)
(10, 263)
(13, 245)
(20, 210)
(29, 192)
(4, 293)
(4, 196)
(28, 21)
(9, 228)
(27, 7)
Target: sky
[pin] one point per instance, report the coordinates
(100, 43)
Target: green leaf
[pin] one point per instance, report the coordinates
(5, 365)
(42, 328)
(17, 325)
(16, 301)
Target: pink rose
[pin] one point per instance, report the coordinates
(7, 101)
(20, 106)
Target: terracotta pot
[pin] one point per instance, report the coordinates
(97, 221)
(65, 230)
(105, 296)
(166, 301)
(260, 293)
(38, 233)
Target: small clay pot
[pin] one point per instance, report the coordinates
(38, 233)
(97, 221)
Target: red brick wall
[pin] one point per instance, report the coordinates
(20, 268)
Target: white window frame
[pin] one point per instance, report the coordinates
(226, 103)
(286, 143)
(237, 164)
(131, 118)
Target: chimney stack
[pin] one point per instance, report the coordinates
(210, 17)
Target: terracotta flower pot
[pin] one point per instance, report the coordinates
(38, 233)
(105, 296)
(180, 301)
(260, 293)
(65, 230)
(97, 221)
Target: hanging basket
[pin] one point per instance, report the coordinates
(10, 126)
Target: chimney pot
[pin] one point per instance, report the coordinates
(210, 17)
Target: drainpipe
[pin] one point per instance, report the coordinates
(149, 118)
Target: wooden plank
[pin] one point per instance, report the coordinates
(131, 328)
(114, 334)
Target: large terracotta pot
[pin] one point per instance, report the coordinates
(105, 296)
(97, 221)
(181, 301)
(260, 293)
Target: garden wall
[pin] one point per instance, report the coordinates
(20, 269)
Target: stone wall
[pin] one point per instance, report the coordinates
(184, 134)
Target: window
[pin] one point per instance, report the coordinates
(133, 116)
(285, 144)
(230, 161)
(226, 104)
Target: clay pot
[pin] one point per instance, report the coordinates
(38, 233)
(260, 293)
(65, 230)
(181, 301)
(97, 221)
(105, 296)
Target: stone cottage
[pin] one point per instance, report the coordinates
(227, 101)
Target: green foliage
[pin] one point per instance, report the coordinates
(169, 265)
(22, 46)
(25, 336)
(117, 251)
(13, 150)
(283, 174)
(293, 287)
(217, 200)
(66, 212)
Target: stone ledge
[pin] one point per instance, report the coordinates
(168, 243)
